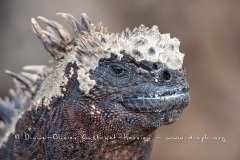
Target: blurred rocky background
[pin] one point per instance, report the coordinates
(209, 32)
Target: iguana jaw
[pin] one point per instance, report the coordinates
(156, 99)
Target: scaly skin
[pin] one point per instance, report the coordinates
(84, 107)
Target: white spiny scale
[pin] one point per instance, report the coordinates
(30, 76)
(38, 69)
(73, 21)
(18, 85)
(67, 37)
(20, 78)
(53, 38)
(14, 96)
(50, 30)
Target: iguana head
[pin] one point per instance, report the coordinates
(141, 95)
(134, 80)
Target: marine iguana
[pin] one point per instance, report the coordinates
(103, 98)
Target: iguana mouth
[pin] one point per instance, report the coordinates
(157, 101)
(160, 94)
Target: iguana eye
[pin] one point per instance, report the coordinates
(119, 71)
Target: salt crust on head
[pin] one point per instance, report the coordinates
(142, 43)
(148, 44)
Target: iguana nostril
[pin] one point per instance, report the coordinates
(156, 66)
(166, 75)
